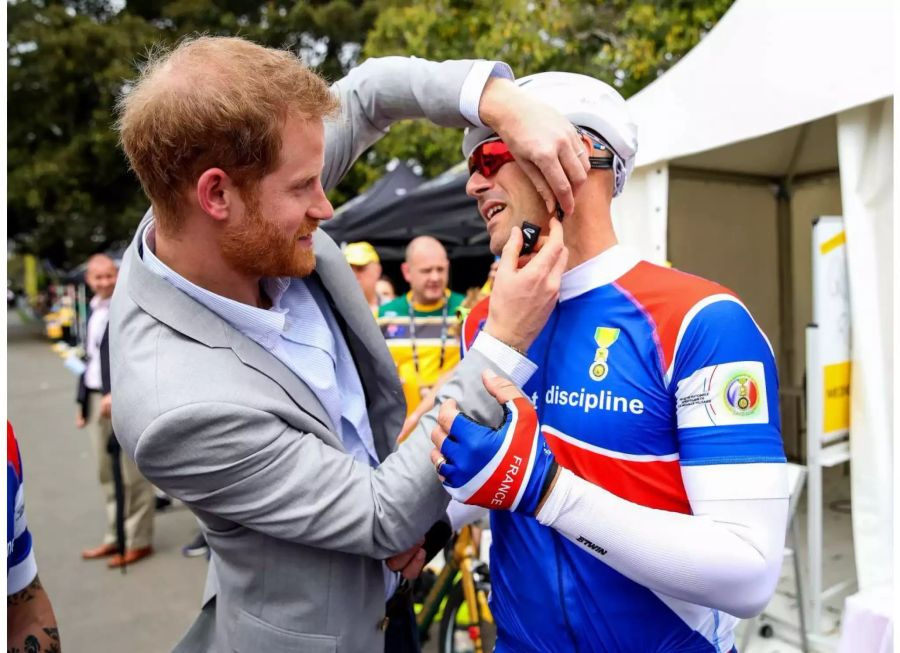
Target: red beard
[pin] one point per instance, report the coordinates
(256, 247)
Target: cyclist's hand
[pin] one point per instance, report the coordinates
(466, 453)
(409, 563)
(545, 145)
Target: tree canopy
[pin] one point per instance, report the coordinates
(70, 192)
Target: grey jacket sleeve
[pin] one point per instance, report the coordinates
(382, 91)
(248, 467)
(467, 388)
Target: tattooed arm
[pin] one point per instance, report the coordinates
(31, 624)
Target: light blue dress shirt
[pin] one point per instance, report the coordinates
(301, 331)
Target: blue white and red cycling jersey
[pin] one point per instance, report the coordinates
(643, 371)
(21, 567)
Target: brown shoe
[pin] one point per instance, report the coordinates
(102, 551)
(131, 556)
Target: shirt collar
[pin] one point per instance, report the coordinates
(249, 320)
(598, 271)
(428, 308)
(100, 302)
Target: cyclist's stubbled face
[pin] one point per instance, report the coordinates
(506, 199)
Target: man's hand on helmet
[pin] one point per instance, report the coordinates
(544, 143)
(581, 100)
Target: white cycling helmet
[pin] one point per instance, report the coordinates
(586, 102)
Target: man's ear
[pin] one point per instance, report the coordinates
(404, 268)
(587, 145)
(216, 193)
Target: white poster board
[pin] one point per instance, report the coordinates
(827, 394)
(831, 313)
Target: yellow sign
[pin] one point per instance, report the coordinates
(837, 397)
(833, 243)
(31, 277)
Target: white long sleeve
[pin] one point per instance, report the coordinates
(726, 556)
(461, 514)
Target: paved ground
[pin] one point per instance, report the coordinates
(147, 609)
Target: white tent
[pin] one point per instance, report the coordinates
(782, 113)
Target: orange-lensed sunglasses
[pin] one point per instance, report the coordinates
(490, 156)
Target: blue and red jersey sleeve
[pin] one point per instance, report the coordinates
(725, 386)
(716, 364)
(20, 564)
(473, 324)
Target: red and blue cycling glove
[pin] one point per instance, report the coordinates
(507, 468)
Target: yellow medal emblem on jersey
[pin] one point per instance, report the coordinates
(604, 337)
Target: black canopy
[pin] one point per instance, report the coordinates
(439, 208)
(356, 220)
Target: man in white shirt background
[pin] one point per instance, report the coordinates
(95, 413)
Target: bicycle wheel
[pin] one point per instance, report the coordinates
(458, 628)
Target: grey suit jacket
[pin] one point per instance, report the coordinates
(296, 525)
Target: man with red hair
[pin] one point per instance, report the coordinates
(251, 381)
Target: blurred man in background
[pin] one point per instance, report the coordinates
(140, 499)
(384, 288)
(366, 265)
(418, 325)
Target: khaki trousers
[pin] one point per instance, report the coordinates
(140, 500)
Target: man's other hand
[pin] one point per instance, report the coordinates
(545, 144)
(106, 406)
(79, 420)
(412, 420)
(409, 563)
(522, 298)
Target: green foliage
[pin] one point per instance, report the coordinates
(69, 190)
(627, 43)
(68, 185)
(654, 35)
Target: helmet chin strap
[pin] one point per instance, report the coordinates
(600, 145)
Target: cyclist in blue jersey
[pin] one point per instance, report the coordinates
(638, 479)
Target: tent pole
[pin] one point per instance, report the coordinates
(817, 175)
(785, 230)
(785, 283)
(702, 174)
